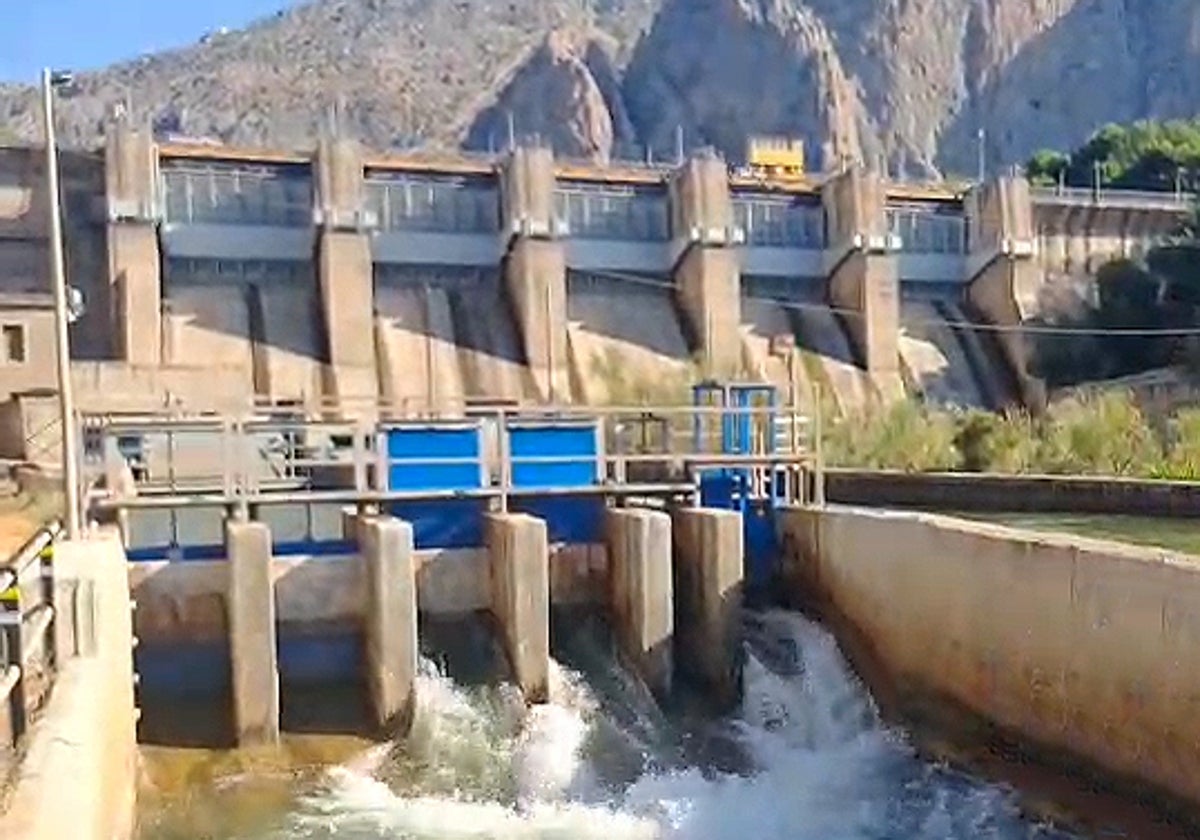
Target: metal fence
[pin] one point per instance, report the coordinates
(780, 223)
(237, 195)
(1113, 197)
(612, 212)
(449, 205)
(260, 460)
(27, 649)
(922, 232)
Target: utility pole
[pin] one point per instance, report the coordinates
(66, 401)
(981, 136)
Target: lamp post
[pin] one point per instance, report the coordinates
(981, 136)
(66, 407)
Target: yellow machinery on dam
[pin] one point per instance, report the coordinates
(437, 280)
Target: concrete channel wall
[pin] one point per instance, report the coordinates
(1083, 648)
(1013, 493)
(78, 778)
(257, 625)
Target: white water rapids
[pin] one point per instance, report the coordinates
(806, 757)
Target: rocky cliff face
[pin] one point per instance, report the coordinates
(905, 83)
(567, 93)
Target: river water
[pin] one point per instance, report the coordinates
(806, 756)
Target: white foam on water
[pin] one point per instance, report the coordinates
(548, 758)
(824, 767)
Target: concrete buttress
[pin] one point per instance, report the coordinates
(518, 552)
(391, 620)
(640, 592)
(252, 647)
(708, 572)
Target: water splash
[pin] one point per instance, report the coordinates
(818, 763)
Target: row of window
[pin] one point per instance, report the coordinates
(780, 223)
(929, 233)
(452, 206)
(259, 196)
(236, 197)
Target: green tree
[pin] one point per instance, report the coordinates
(1047, 167)
(1145, 155)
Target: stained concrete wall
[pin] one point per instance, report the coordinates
(134, 267)
(346, 274)
(862, 281)
(1084, 648)
(1004, 288)
(78, 778)
(535, 268)
(707, 270)
(185, 602)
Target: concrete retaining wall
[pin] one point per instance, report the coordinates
(1079, 646)
(1035, 494)
(79, 775)
(185, 602)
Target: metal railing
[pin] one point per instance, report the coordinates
(249, 460)
(449, 205)
(227, 195)
(27, 617)
(1114, 197)
(922, 232)
(613, 213)
(780, 223)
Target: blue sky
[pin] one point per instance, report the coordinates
(86, 34)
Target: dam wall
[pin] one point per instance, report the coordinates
(337, 274)
(1084, 649)
(257, 623)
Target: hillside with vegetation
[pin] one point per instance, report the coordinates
(1157, 293)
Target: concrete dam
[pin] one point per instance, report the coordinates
(548, 622)
(215, 275)
(465, 496)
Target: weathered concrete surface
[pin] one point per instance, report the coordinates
(253, 654)
(1078, 646)
(708, 572)
(1013, 493)
(185, 602)
(391, 621)
(79, 776)
(640, 592)
(520, 581)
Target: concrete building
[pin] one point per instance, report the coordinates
(217, 275)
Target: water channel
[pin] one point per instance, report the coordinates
(806, 756)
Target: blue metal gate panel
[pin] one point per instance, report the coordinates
(566, 453)
(414, 450)
(450, 523)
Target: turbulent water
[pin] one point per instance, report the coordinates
(806, 757)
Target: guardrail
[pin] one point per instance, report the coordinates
(27, 617)
(1130, 199)
(215, 461)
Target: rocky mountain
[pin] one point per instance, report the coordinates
(909, 84)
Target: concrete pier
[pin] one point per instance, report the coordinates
(708, 572)
(518, 553)
(252, 648)
(391, 619)
(640, 592)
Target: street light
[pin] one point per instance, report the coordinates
(66, 408)
(981, 137)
